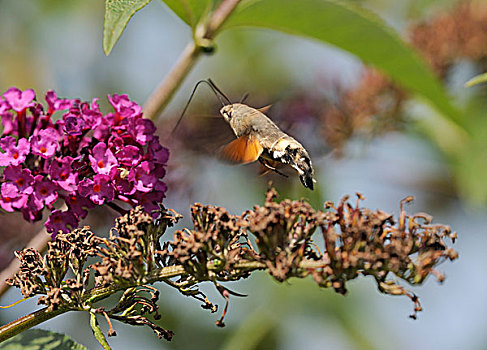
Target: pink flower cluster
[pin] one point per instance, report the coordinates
(83, 158)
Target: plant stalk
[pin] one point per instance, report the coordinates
(166, 90)
(28, 321)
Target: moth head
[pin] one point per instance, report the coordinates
(227, 112)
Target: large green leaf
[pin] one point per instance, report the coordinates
(190, 11)
(117, 15)
(351, 28)
(39, 339)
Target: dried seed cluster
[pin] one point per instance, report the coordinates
(356, 241)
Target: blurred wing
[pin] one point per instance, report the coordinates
(245, 149)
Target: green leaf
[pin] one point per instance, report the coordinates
(39, 339)
(117, 15)
(351, 28)
(482, 78)
(190, 11)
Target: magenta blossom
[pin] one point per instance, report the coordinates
(45, 144)
(79, 205)
(63, 221)
(102, 160)
(129, 155)
(99, 189)
(144, 130)
(8, 122)
(143, 177)
(122, 182)
(56, 104)
(73, 125)
(19, 100)
(158, 153)
(11, 197)
(82, 158)
(123, 106)
(20, 177)
(150, 201)
(30, 213)
(61, 172)
(45, 191)
(15, 154)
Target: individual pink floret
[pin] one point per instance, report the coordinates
(20, 100)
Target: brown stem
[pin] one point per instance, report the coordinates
(219, 17)
(164, 92)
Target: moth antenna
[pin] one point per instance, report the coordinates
(244, 97)
(215, 91)
(219, 91)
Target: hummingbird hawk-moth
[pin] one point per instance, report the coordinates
(259, 139)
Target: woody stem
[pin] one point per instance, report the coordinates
(165, 91)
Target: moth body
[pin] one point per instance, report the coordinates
(259, 138)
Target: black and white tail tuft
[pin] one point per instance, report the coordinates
(299, 159)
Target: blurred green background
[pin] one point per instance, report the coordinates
(50, 44)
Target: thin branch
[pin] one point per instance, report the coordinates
(220, 15)
(164, 92)
(33, 319)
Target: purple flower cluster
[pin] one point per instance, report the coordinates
(83, 158)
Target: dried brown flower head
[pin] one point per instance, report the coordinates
(357, 241)
(374, 106)
(448, 37)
